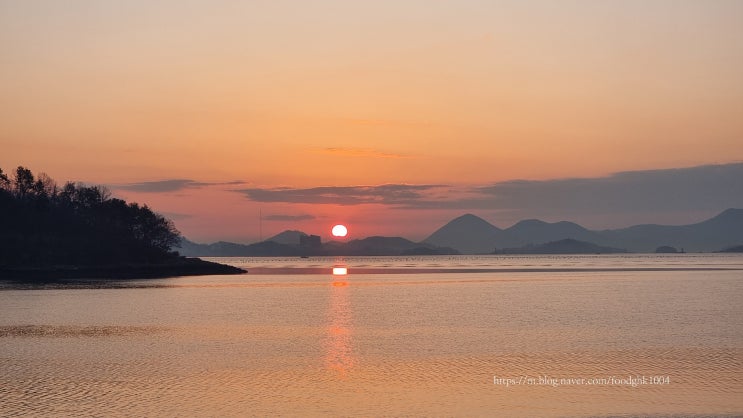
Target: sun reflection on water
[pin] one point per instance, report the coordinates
(340, 271)
(339, 355)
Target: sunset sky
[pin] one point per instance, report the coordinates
(390, 116)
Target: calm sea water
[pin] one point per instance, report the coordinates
(464, 336)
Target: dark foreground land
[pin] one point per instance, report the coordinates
(176, 267)
(53, 234)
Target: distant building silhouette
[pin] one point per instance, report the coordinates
(312, 241)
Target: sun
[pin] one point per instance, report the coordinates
(340, 231)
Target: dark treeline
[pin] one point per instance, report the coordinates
(42, 224)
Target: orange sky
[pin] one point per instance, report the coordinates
(337, 93)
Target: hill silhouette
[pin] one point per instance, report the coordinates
(376, 245)
(470, 234)
(721, 231)
(473, 235)
(563, 246)
(78, 231)
(390, 246)
(535, 231)
(736, 249)
(289, 237)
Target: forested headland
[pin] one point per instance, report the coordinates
(47, 230)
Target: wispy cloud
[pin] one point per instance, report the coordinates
(711, 187)
(304, 217)
(387, 194)
(702, 189)
(360, 152)
(171, 185)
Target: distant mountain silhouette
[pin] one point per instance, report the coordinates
(473, 235)
(534, 231)
(722, 231)
(470, 234)
(736, 249)
(289, 237)
(217, 249)
(390, 246)
(231, 249)
(368, 246)
(563, 246)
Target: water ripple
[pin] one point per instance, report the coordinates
(74, 330)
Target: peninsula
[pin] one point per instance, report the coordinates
(76, 231)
